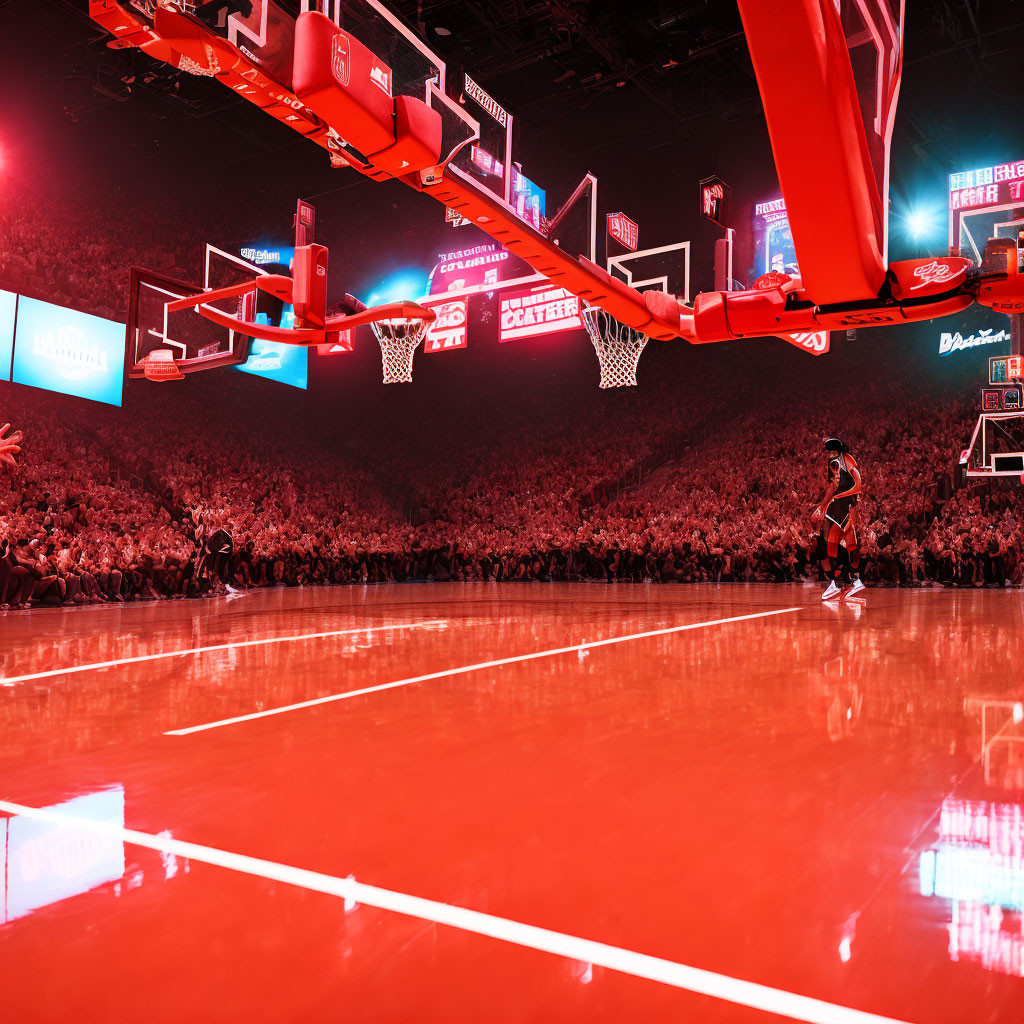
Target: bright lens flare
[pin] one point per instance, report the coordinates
(919, 223)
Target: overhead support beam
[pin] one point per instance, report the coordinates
(821, 148)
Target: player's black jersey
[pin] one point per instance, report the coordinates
(839, 508)
(220, 543)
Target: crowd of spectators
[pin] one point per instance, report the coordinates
(70, 528)
(74, 245)
(112, 506)
(739, 510)
(684, 480)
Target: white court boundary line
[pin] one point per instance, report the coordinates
(234, 645)
(614, 958)
(465, 669)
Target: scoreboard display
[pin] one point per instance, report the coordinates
(1008, 399)
(773, 240)
(1004, 369)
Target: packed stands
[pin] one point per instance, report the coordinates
(682, 480)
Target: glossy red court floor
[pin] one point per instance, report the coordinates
(824, 801)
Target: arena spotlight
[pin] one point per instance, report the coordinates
(405, 284)
(920, 222)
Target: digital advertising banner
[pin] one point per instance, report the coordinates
(535, 312)
(451, 328)
(773, 240)
(530, 202)
(999, 185)
(478, 264)
(73, 353)
(8, 305)
(624, 230)
(277, 257)
(985, 203)
(286, 364)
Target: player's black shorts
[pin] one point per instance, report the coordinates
(838, 512)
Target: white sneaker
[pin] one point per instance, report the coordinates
(832, 591)
(857, 587)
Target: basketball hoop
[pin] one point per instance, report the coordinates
(399, 340)
(618, 347)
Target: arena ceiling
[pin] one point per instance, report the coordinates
(659, 72)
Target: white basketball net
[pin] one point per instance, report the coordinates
(399, 340)
(618, 347)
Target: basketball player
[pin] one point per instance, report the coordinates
(838, 515)
(212, 553)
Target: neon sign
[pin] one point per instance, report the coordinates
(478, 266)
(286, 364)
(956, 342)
(487, 163)
(529, 200)
(451, 328)
(624, 230)
(987, 186)
(773, 240)
(773, 206)
(532, 313)
(260, 256)
(986, 176)
(491, 105)
(714, 200)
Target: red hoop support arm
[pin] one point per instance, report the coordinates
(846, 283)
(231, 67)
(914, 290)
(405, 310)
(274, 284)
(821, 150)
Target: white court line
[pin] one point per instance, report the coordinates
(572, 947)
(11, 680)
(464, 669)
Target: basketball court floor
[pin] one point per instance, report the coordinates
(483, 803)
